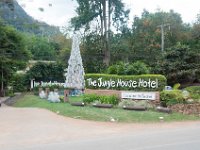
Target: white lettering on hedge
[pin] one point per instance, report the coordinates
(92, 83)
(108, 83)
(46, 84)
(121, 83)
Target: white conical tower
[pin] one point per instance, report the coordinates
(75, 71)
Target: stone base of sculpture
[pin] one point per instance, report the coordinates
(76, 92)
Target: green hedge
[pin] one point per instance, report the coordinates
(126, 82)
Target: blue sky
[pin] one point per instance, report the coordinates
(59, 12)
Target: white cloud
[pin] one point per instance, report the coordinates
(62, 10)
(56, 12)
(187, 8)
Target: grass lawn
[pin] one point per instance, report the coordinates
(99, 114)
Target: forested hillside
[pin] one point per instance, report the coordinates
(13, 14)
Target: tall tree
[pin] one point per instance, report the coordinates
(145, 39)
(41, 48)
(13, 53)
(105, 12)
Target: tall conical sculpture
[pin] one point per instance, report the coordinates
(75, 71)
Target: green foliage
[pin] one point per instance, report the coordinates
(103, 99)
(90, 113)
(53, 87)
(122, 68)
(62, 45)
(146, 35)
(176, 86)
(41, 48)
(109, 99)
(92, 54)
(171, 97)
(19, 83)
(13, 52)
(46, 72)
(138, 68)
(89, 10)
(89, 98)
(106, 77)
(180, 64)
(61, 99)
(15, 15)
(9, 92)
(194, 92)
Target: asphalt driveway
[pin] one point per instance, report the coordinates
(34, 129)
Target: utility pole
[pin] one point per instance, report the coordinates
(2, 87)
(162, 26)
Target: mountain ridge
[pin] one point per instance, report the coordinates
(13, 14)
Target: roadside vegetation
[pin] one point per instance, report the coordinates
(100, 114)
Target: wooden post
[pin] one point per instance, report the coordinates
(163, 109)
(47, 92)
(158, 96)
(40, 90)
(66, 95)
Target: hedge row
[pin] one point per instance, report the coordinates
(147, 82)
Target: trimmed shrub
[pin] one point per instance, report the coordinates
(171, 97)
(90, 98)
(125, 82)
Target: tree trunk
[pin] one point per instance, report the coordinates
(106, 41)
(102, 28)
(101, 18)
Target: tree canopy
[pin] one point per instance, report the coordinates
(13, 53)
(102, 14)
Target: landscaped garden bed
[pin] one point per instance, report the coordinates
(90, 113)
(187, 109)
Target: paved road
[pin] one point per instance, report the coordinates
(38, 129)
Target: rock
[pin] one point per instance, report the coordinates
(163, 109)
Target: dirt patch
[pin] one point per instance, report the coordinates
(12, 100)
(187, 109)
